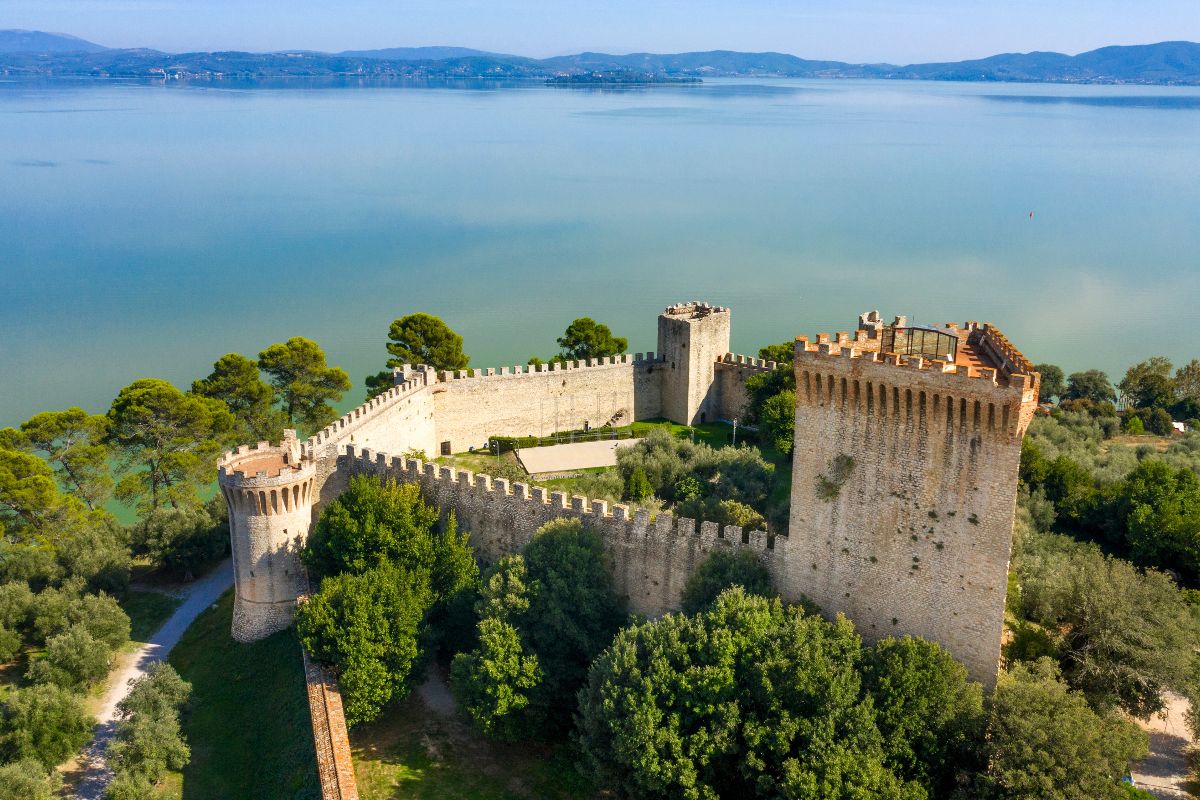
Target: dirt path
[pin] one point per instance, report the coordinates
(198, 596)
(1165, 773)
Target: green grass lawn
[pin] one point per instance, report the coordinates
(147, 612)
(248, 723)
(415, 752)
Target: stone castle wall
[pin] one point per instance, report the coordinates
(730, 375)
(472, 405)
(650, 559)
(903, 495)
(915, 539)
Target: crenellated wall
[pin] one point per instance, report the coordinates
(650, 559)
(730, 376)
(902, 501)
(903, 493)
(472, 405)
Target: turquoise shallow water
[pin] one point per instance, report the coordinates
(147, 230)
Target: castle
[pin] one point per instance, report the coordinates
(903, 492)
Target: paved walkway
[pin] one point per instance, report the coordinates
(567, 457)
(1165, 773)
(196, 597)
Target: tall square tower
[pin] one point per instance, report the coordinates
(692, 338)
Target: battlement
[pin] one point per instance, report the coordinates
(265, 464)
(512, 498)
(747, 362)
(693, 309)
(525, 370)
(410, 380)
(1009, 368)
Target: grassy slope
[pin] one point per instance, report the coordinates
(147, 612)
(248, 723)
(415, 752)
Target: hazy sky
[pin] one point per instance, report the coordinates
(898, 31)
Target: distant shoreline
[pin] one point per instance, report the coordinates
(1161, 64)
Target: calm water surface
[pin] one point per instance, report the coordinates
(145, 231)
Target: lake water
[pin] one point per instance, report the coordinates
(147, 230)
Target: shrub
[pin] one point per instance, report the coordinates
(544, 616)
(637, 486)
(73, 660)
(28, 780)
(721, 570)
(43, 722)
(1046, 742)
(677, 708)
(369, 626)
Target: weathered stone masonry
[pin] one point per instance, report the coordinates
(903, 489)
(904, 485)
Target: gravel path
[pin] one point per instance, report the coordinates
(1165, 773)
(197, 596)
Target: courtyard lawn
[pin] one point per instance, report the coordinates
(248, 723)
(424, 749)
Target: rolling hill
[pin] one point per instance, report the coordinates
(44, 54)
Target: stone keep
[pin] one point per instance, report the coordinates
(904, 487)
(692, 339)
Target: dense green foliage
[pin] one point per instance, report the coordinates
(931, 718)
(1141, 504)
(772, 398)
(27, 780)
(183, 540)
(1090, 385)
(74, 444)
(43, 722)
(168, 443)
(585, 338)
(371, 523)
(394, 579)
(777, 420)
(637, 486)
(721, 570)
(544, 615)
(235, 381)
(63, 554)
(304, 383)
(419, 339)
(726, 473)
(148, 740)
(1054, 382)
(494, 680)
(1122, 636)
(1046, 742)
(425, 339)
(751, 698)
(368, 624)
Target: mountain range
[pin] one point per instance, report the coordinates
(34, 53)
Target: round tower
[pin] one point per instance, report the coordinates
(269, 491)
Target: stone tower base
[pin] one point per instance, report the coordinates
(253, 621)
